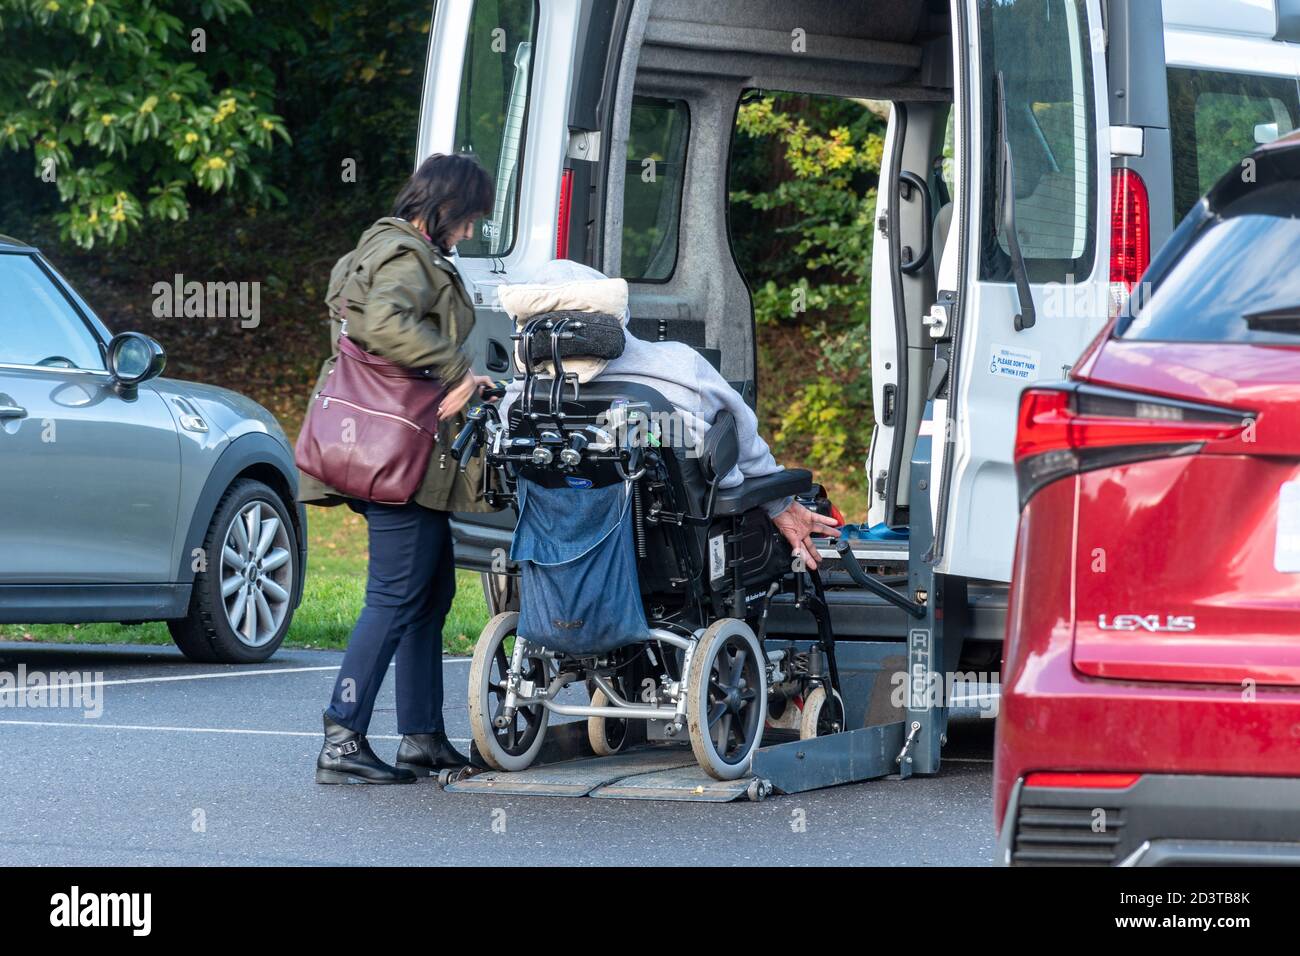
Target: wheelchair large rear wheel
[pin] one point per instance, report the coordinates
(727, 703)
(513, 746)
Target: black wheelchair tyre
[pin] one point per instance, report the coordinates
(206, 634)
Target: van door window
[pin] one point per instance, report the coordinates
(490, 120)
(1042, 48)
(652, 191)
(1216, 119)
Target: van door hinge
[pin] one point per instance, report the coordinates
(882, 484)
(882, 223)
(1127, 141)
(584, 144)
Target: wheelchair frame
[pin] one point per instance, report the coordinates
(561, 442)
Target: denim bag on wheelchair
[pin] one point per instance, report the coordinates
(578, 592)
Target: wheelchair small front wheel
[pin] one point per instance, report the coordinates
(819, 720)
(727, 699)
(607, 735)
(503, 744)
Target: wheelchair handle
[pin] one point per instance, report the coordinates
(467, 442)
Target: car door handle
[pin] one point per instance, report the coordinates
(12, 411)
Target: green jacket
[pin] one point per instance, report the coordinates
(404, 301)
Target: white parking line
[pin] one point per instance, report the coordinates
(184, 677)
(195, 730)
(178, 677)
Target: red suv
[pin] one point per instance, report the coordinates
(1151, 681)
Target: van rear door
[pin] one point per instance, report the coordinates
(498, 83)
(1035, 86)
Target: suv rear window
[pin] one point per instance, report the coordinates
(1216, 119)
(1236, 281)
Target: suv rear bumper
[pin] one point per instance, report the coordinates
(1052, 718)
(1160, 820)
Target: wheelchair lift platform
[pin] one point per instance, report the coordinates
(646, 773)
(670, 772)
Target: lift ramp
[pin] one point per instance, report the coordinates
(670, 772)
(646, 773)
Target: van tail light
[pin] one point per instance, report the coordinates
(1130, 234)
(562, 221)
(1066, 431)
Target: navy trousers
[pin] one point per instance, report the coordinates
(410, 588)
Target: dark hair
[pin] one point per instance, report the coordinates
(443, 193)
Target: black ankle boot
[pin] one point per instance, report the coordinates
(347, 758)
(428, 753)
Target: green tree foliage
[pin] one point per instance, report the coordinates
(124, 109)
(803, 198)
(114, 112)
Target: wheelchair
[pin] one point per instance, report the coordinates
(708, 565)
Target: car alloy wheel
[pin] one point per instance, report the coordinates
(256, 573)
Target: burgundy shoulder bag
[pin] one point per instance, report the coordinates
(370, 431)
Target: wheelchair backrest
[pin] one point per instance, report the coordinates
(687, 484)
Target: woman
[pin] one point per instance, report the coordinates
(399, 296)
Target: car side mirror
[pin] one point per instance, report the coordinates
(133, 358)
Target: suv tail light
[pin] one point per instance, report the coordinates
(562, 220)
(1065, 431)
(1130, 234)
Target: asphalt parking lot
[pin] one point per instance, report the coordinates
(175, 763)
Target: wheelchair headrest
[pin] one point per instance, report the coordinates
(721, 448)
(593, 335)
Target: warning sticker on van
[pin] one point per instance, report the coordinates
(1020, 364)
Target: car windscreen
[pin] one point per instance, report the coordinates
(1237, 281)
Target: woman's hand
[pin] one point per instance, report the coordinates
(456, 399)
(797, 525)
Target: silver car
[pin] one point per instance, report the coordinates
(128, 497)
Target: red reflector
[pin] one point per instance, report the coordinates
(1049, 422)
(1130, 228)
(562, 221)
(1083, 781)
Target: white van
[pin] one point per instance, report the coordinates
(983, 282)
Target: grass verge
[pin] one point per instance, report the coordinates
(336, 586)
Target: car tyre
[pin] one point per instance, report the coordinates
(206, 634)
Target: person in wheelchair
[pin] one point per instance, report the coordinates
(697, 390)
(654, 530)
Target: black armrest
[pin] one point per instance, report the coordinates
(754, 492)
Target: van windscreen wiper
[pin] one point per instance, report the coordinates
(1026, 317)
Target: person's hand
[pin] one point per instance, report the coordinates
(456, 399)
(797, 525)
